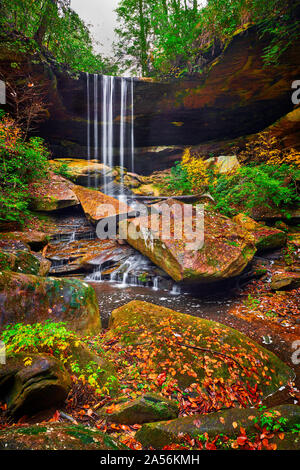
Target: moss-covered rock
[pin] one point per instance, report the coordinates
(192, 350)
(266, 238)
(16, 256)
(83, 172)
(30, 299)
(57, 436)
(145, 409)
(53, 194)
(33, 383)
(285, 280)
(227, 422)
(192, 247)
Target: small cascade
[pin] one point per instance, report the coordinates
(156, 283)
(176, 290)
(127, 273)
(95, 276)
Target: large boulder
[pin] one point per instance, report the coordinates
(192, 350)
(227, 422)
(225, 252)
(92, 201)
(30, 299)
(52, 194)
(145, 409)
(266, 238)
(31, 384)
(57, 436)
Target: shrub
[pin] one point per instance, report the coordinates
(266, 186)
(189, 175)
(265, 148)
(21, 162)
(54, 339)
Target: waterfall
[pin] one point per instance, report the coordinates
(88, 123)
(123, 130)
(96, 149)
(132, 126)
(108, 134)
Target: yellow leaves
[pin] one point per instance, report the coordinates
(235, 424)
(222, 420)
(27, 361)
(195, 169)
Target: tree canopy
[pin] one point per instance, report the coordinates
(53, 24)
(157, 36)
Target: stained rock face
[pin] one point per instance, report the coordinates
(29, 388)
(30, 299)
(145, 409)
(266, 238)
(91, 202)
(225, 252)
(57, 436)
(158, 435)
(224, 357)
(53, 194)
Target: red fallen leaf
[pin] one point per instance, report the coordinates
(210, 446)
(161, 378)
(265, 443)
(241, 441)
(55, 417)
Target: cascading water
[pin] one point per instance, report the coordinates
(88, 123)
(108, 135)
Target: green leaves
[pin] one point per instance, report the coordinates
(251, 186)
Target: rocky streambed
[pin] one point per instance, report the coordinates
(232, 345)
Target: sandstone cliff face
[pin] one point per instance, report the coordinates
(235, 96)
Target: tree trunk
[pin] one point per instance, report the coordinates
(143, 39)
(45, 21)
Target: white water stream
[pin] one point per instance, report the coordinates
(107, 151)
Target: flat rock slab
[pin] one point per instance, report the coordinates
(193, 248)
(30, 299)
(145, 409)
(92, 203)
(226, 422)
(57, 436)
